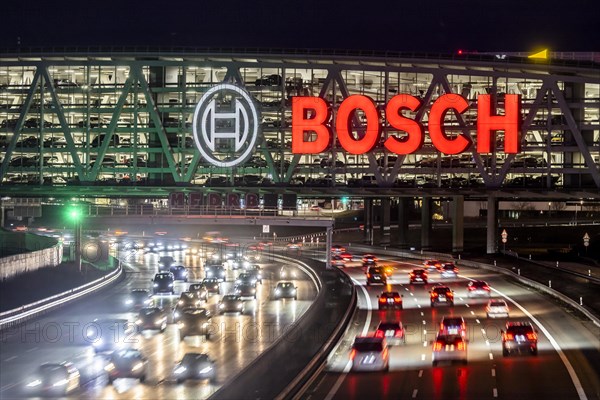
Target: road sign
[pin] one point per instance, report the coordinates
(266, 228)
(504, 236)
(586, 240)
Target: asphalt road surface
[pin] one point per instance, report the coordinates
(236, 339)
(566, 367)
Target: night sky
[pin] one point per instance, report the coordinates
(424, 26)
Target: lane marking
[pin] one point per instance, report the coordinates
(425, 344)
(414, 394)
(31, 349)
(472, 312)
(365, 330)
(422, 357)
(422, 314)
(420, 373)
(491, 356)
(554, 343)
(493, 372)
(495, 392)
(477, 320)
(466, 305)
(10, 358)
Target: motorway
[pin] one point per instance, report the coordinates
(236, 341)
(567, 366)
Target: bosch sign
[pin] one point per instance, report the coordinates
(311, 119)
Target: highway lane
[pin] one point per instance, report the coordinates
(488, 374)
(236, 341)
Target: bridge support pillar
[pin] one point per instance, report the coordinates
(492, 225)
(458, 224)
(403, 222)
(426, 223)
(385, 221)
(369, 221)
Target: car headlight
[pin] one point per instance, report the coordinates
(205, 325)
(155, 285)
(176, 314)
(240, 305)
(180, 370)
(170, 285)
(35, 383)
(205, 370)
(277, 291)
(221, 305)
(109, 367)
(180, 302)
(159, 321)
(147, 301)
(62, 382)
(293, 291)
(181, 325)
(139, 322)
(137, 366)
(128, 301)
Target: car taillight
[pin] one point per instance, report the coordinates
(379, 333)
(461, 346)
(438, 346)
(434, 294)
(352, 354)
(508, 336)
(471, 287)
(399, 333)
(382, 300)
(411, 274)
(531, 336)
(486, 288)
(368, 275)
(397, 299)
(449, 294)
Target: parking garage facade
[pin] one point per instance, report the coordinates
(133, 124)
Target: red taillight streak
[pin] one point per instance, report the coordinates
(461, 346)
(382, 300)
(399, 333)
(385, 353)
(438, 346)
(509, 336)
(352, 354)
(379, 333)
(531, 336)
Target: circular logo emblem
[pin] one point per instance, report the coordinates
(225, 125)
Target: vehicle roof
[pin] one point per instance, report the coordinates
(388, 294)
(446, 319)
(368, 339)
(441, 289)
(389, 324)
(449, 338)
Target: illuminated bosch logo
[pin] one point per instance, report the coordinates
(225, 125)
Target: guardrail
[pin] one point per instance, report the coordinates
(24, 313)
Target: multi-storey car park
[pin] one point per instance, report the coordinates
(105, 123)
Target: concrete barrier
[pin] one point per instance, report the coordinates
(41, 252)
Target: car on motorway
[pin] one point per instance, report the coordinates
(478, 289)
(110, 334)
(376, 274)
(245, 290)
(186, 300)
(212, 285)
(448, 270)
(195, 366)
(346, 256)
(370, 353)
(216, 271)
(54, 379)
(163, 283)
(519, 337)
(338, 261)
(180, 273)
(496, 308)
(432, 265)
(441, 295)
(337, 249)
(237, 263)
(369, 259)
(449, 348)
(417, 275)
(392, 331)
(453, 325)
(294, 245)
(129, 363)
(389, 300)
(151, 318)
(287, 272)
(200, 291)
(246, 279)
(254, 271)
(231, 303)
(194, 322)
(285, 290)
(164, 262)
(138, 298)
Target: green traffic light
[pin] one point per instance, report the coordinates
(75, 214)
